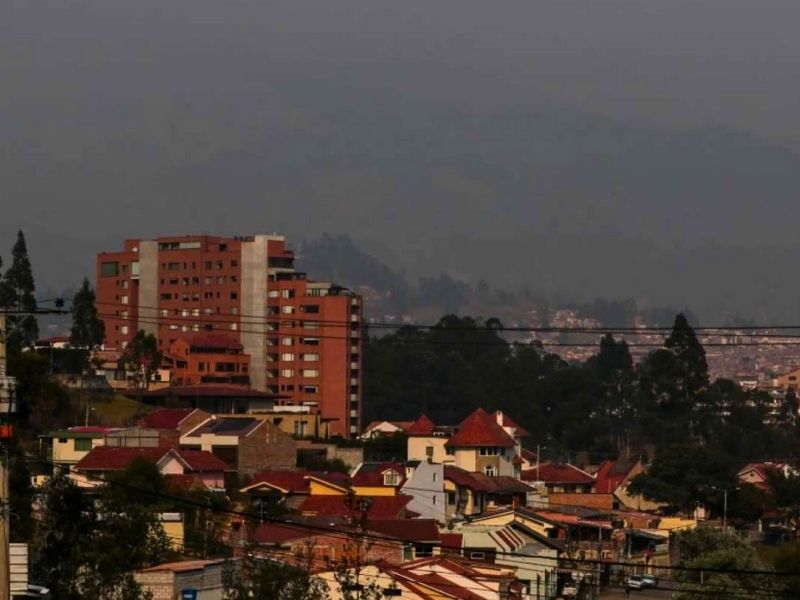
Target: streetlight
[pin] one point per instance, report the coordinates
(724, 504)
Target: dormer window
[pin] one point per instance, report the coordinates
(490, 471)
(391, 478)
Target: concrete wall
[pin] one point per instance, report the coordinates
(167, 584)
(266, 448)
(426, 486)
(254, 305)
(148, 287)
(418, 445)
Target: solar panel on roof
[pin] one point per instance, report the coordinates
(231, 425)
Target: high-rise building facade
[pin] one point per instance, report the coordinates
(303, 337)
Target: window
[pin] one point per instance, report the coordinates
(310, 373)
(123, 299)
(273, 294)
(124, 330)
(234, 263)
(174, 266)
(310, 389)
(221, 280)
(287, 341)
(234, 295)
(185, 312)
(391, 478)
(234, 326)
(173, 327)
(287, 293)
(287, 310)
(109, 269)
(310, 325)
(490, 471)
(83, 444)
(164, 312)
(429, 451)
(300, 428)
(287, 373)
(490, 451)
(287, 356)
(451, 497)
(310, 308)
(310, 357)
(135, 268)
(310, 341)
(476, 555)
(195, 312)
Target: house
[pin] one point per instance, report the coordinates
(483, 442)
(249, 443)
(168, 580)
(614, 477)
(470, 494)
(436, 577)
(304, 421)
(787, 381)
(322, 543)
(757, 474)
(290, 487)
(424, 482)
(68, 446)
(226, 399)
(560, 478)
(213, 358)
(174, 420)
(183, 467)
(356, 508)
(385, 428)
(514, 545)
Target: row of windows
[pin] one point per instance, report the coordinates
(306, 389)
(207, 265)
(195, 312)
(289, 357)
(113, 268)
(195, 297)
(185, 281)
(311, 373)
(196, 327)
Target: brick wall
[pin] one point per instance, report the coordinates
(160, 584)
(599, 501)
(352, 457)
(266, 448)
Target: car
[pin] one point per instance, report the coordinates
(649, 580)
(634, 582)
(570, 590)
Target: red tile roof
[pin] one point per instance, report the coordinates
(380, 507)
(112, 458)
(610, 475)
(274, 533)
(402, 425)
(213, 340)
(201, 461)
(371, 474)
(292, 482)
(452, 542)
(422, 426)
(557, 473)
(484, 483)
(480, 429)
(506, 421)
(165, 418)
(408, 530)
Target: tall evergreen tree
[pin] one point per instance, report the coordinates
(88, 329)
(683, 343)
(17, 293)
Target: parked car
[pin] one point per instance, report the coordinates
(649, 580)
(634, 582)
(570, 590)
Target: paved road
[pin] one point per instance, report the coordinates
(650, 594)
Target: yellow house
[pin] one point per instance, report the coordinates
(787, 380)
(69, 446)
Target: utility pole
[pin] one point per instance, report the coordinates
(6, 409)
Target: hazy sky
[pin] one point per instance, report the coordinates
(620, 148)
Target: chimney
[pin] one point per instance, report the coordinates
(499, 417)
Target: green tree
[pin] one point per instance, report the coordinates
(67, 522)
(87, 329)
(21, 495)
(683, 343)
(722, 556)
(684, 477)
(259, 577)
(143, 358)
(17, 293)
(786, 492)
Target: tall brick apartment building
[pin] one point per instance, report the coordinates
(303, 337)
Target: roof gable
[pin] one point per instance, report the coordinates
(480, 429)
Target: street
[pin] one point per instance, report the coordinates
(618, 593)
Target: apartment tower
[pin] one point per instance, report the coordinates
(303, 337)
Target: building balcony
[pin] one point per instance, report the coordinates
(354, 365)
(354, 318)
(353, 381)
(353, 397)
